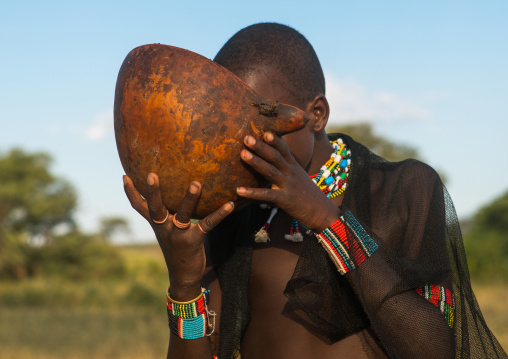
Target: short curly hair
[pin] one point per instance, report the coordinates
(280, 48)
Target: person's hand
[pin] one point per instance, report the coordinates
(291, 188)
(183, 248)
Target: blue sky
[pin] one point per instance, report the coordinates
(432, 75)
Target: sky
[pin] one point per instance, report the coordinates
(430, 74)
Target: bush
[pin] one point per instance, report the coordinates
(75, 256)
(486, 242)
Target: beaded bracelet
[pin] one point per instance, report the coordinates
(441, 298)
(347, 243)
(189, 320)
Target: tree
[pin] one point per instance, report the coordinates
(494, 216)
(33, 202)
(486, 241)
(364, 134)
(111, 225)
(32, 199)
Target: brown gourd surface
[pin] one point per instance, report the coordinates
(184, 117)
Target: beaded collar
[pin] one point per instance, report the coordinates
(331, 179)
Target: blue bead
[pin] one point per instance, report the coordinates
(329, 180)
(343, 163)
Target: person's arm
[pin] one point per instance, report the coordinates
(405, 322)
(409, 325)
(183, 251)
(406, 285)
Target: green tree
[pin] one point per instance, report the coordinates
(33, 203)
(110, 226)
(33, 200)
(486, 241)
(364, 134)
(494, 216)
(79, 256)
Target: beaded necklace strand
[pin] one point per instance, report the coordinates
(331, 179)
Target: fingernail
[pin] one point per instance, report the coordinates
(240, 190)
(150, 179)
(269, 136)
(247, 155)
(230, 206)
(193, 188)
(250, 140)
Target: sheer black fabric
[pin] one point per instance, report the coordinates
(407, 211)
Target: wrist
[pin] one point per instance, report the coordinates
(189, 319)
(348, 244)
(183, 292)
(329, 217)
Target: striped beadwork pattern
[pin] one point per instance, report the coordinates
(192, 328)
(441, 298)
(190, 310)
(189, 320)
(347, 243)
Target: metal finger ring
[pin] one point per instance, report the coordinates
(201, 229)
(164, 220)
(179, 224)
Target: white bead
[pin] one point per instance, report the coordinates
(326, 173)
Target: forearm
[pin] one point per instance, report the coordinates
(181, 243)
(404, 321)
(189, 348)
(411, 326)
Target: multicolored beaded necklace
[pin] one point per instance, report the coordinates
(331, 179)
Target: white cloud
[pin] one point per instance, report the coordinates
(352, 102)
(101, 127)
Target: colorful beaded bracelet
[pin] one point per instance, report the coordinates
(189, 320)
(441, 298)
(347, 243)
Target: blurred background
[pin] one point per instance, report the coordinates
(80, 272)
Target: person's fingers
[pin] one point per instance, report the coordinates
(267, 152)
(265, 195)
(212, 220)
(280, 145)
(156, 208)
(264, 159)
(137, 202)
(189, 203)
(267, 170)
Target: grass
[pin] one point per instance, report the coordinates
(83, 333)
(111, 318)
(124, 317)
(493, 301)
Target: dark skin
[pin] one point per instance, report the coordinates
(286, 163)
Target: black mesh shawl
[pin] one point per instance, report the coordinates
(408, 212)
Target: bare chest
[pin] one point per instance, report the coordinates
(272, 333)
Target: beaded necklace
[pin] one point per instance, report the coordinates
(331, 179)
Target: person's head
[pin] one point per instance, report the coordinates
(280, 64)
